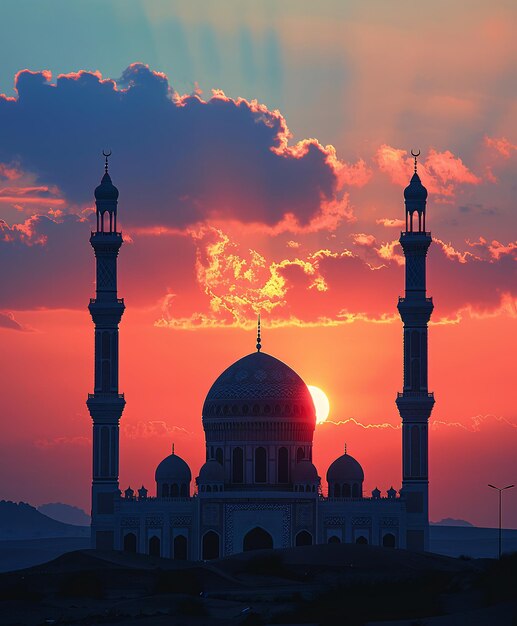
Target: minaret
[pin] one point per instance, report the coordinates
(415, 403)
(106, 403)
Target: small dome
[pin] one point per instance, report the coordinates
(259, 385)
(211, 472)
(173, 469)
(415, 191)
(345, 469)
(106, 190)
(304, 472)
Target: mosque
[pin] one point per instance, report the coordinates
(258, 487)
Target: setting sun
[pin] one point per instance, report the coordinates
(321, 402)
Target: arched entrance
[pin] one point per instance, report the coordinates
(130, 542)
(334, 539)
(210, 545)
(303, 538)
(388, 541)
(257, 539)
(362, 541)
(180, 548)
(154, 546)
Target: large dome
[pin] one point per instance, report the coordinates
(259, 385)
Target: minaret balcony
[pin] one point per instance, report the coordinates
(415, 233)
(415, 394)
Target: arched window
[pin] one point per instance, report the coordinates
(180, 548)
(356, 492)
(219, 455)
(257, 539)
(260, 465)
(337, 490)
(304, 538)
(174, 491)
(130, 542)
(209, 488)
(238, 465)
(184, 490)
(154, 546)
(307, 487)
(165, 490)
(346, 491)
(283, 465)
(334, 539)
(362, 541)
(415, 374)
(388, 541)
(415, 451)
(300, 455)
(105, 451)
(106, 344)
(210, 545)
(106, 373)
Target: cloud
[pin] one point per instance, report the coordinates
(501, 145)
(62, 441)
(8, 321)
(441, 172)
(152, 428)
(178, 159)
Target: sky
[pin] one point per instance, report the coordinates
(261, 150)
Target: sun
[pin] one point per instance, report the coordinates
(321, 402)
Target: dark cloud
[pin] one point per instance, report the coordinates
(177, 160)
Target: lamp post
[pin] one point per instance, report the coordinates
(500, 490)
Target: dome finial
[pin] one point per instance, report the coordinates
(106, 156)
(415, 155)
(259, 345)
(345, 447)
(172, 448)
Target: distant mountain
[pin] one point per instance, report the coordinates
(65, 513)
(19, 520)
(449, 521)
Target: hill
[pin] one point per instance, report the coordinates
(327, 585)
(65, 513)
(19, 520)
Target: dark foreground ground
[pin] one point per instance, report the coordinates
(346, 585)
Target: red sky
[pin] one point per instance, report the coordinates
(230, 206)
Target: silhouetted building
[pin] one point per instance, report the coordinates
(258, 487)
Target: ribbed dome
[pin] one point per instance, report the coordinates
(345, 469)
(259, 384)
(415, 191)
(106, 190)
(173, 469)
(304, 472)
(211, 472)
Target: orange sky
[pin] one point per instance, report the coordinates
(261, 157)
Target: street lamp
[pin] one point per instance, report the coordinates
(500, 490)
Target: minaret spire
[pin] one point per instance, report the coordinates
(415, 402)
(105, 404)
(107, 155)
(259, 345)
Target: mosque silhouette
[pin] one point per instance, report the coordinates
(258, 487)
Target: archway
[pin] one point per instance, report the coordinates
(154, 546)
(257, 539)
(130, 542)
(210, 545)
(388, 541)
(362, 541)
(180, 548)
(334, 539)
(304, 538)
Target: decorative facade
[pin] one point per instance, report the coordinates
(258, 487)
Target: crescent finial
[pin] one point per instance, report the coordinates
(415, 155)
(106, 155)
